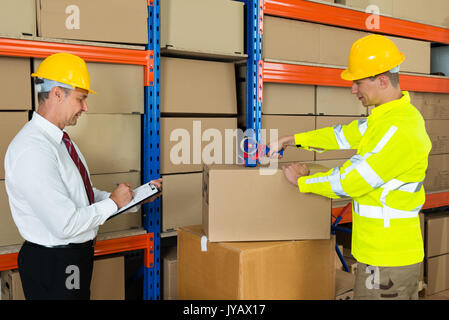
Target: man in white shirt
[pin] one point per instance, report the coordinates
(53, 203)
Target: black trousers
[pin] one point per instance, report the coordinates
(56, 273)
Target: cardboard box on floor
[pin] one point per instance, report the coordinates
(110, 143)
(15, 88)
(324, 122)
(187, 143)
(288, 125)
(108, 182)
(80, 20)
(290, 270)
(299, 41)
(108, 281)
(437, 174)
(181, 203)
(438, 131)
(249, 204)
(119, 88)
(437, 274)
(18, 18)
(437, 234)
(196, 86)
(9, 234)
(170, 273)
(10, 124)
(203, 25)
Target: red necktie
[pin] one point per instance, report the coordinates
(80, 166)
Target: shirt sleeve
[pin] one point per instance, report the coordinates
(39, 181)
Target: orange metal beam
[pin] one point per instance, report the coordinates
(348, 18)
(326, 76)
(144, 241)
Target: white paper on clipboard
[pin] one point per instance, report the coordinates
(141, 193)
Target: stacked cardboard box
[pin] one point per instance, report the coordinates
(18, 18)
(437, 252)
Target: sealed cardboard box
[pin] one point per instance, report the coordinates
(108, 182)
(108, 281)
(9, 234)
(335, 101)
(437, 174)
(188, 143)
(197, 86)
(437, 234)
(324, 122)
(431, 105)
(385, 7)
(170, 273)
(181, 203)
(290, 270)
(119, 88)
(294, 99)
(15, 89)
(284, 126)
(18, 17)
(432, 12)
(10, 124)
(110, 143)
(239, 205)
(202, 25)
(438, 131)
(80, 20)
(437, 274)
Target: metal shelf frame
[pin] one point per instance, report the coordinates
(149, 58)
(260, 71)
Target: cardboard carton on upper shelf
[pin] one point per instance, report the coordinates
(336, 101)
(290, 270)
(18, 18)
(100, 20)
(239, 204)
(119, 88)
(15, 84)
(202, 25)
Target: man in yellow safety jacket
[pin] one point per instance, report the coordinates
(385, 177)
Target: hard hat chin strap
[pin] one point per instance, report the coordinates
(45, 85)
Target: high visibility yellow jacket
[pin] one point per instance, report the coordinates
(384, 179)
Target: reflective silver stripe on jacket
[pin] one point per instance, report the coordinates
(341, 139)
(363, 125)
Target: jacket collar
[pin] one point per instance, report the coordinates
(386, 107)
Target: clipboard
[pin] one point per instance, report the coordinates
(141, 194)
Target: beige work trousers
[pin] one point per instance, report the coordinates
(386, 283)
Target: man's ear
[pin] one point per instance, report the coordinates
(384, 81)
(58, 94)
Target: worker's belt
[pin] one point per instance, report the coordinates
(87, 244)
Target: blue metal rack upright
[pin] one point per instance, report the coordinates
(151, 151)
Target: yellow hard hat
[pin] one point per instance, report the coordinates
(65, 68)
(370, 56)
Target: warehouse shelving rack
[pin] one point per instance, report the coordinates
(260, 71)
(148, 239)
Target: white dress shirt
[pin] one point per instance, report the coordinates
(47, 197)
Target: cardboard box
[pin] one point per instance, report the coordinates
(437, 274)
(287, 270)
(324, 122)
(18, 18)
(432, 12)
(431, 105)
(119, 88)
(385, 6)
(108, 182)
(437, 174)
(288, 125)
(170, 273)
(108, 281)
(110, 143)
(10, 124)
(181, 203)
(15, 89)
(188, 143)
(238, 206)
(437, 234)
(80, 20)
(438, 131)
(202, 25)
(299, 41)
(335, 101)
(282, 98)
(344, 285)
(197, 86)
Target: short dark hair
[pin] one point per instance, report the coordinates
(43, 96)
(394, 77)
